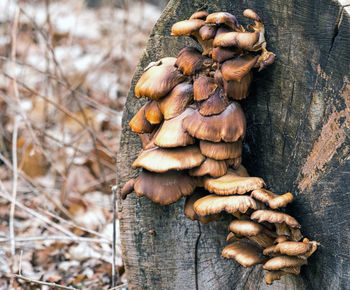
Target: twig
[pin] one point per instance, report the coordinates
(119, 286)
(58, 238)
(114, 274)
(52, 285)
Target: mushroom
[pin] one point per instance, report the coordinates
(211, 167)
(224, 18)
(232, 183)
(284, 263)
(274, 275)
(235, 69)
(248, 41)
(127, 188)
(221, 150)
(292, 248)
(234, 162)
(139, 123)
(153, 113)
(244, 252)
(207, 32)
(229, 126)
(191, 62)
(203, 87)
(167, 77)
(176, 101)
(172, 134)
(214, 105)
(165, 188)
(163, 159)
(220, 54)
(272, 200)
(238, 90)
(212, 204)
(199, 15)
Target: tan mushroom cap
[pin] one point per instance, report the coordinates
(165, 188)
(243, 40)
(172, 134)
(223, 18)
(190, 61)
(245, 253)
(220, 54)
(229, 126)
(232, 183)
(292, 248)
(221, 150)
(281, 262)
(189, 209)
(199, 15)
(263, 195)
(167, 77)
(163, 159)
(211, 167)
(207, 32)
(238, 90)
(212, 204)
(139, 123)
(176, 101)
(273, 200)
(275, 217)
(251, 14)
(153, 113)
(273, 276)
(237, 68)
(246, 228)
(203, 87)
(187, 27)
(214, 105)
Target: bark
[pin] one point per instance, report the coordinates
(298, 116)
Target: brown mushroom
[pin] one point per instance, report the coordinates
(165, 188)
(221, 150)
(167, 77)
(153, 113)
(220, 54)
(187, 27)
(292, 248)
(273, 276)
(238, 90)
(139, 123)
(214, 105)
(235, 69)
(243, 40)
(203, 87)
(207, 32)
(275, 217)
(273, 200)
(282, 262)
(191, 62)
(163, 159)
(127, 188)
(229, 126)
(244, 252)
(211, 167)
(199, 15)
(223, 18)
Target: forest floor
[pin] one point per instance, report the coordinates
(65, 71)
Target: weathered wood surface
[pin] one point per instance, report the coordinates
(298, 116)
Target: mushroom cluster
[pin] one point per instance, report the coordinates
(192, 129)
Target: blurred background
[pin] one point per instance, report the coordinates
(65, 70)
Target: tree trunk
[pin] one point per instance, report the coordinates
(298, 125)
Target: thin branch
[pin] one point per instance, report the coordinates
(114, 273)
(52, 285)
(58, 238)
(119, 286)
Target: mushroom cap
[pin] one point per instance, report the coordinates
(207, 32)
(241, 171)
(238, 90)
(269, 251)
(190, 61)
(214, 105)
(273, 275)
(234, 163)
(251, 14)
(280, 262)
(246, 228)
(211, 167)
(235, 69)
(172, 134)
(242, 40)
(187, 27)
(232, 183)
(244, 252)
(159, 79)
(164, 159)
(212, 204)
(199, 15)
(263, 195)
(220, 54)
(292, 248)
(203, 87)
(147, 140)
(165, 188)
(223, 18)
(153, 113)
(189, 209)
(229, 126)
(221, 150)
(274, 217)
(176, 101)
(127, 188)
(281, 200)
(139, 123)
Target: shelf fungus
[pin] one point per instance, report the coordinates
(192, 130)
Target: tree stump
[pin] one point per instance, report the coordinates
(298, 125)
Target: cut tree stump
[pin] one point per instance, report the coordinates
(298, 125)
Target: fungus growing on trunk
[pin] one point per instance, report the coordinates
(192, 132)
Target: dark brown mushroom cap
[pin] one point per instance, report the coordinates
(223, 18)
(165, 188)
(251, 14)
(280, 262)
(187, 27)
(199, 15)
(159, 79)
(242, 40)
(220, 54)
(211, 167)
(246, 228)
(221, 150)
(207, 32)
(213, 204)
(127, 188)
(190, 61)
(229, 126)
(203, 87)
(139, 123)
(275, 217)
(153, 113)
(235, 69)
(189, 209)
(214, 105)
(232, 183)
(163, 159)
(172, 134)
(238, 90)
(245, 253)
(292, 248)
(176, 101)
(273, 276)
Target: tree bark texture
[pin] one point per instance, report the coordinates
(298, 125)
